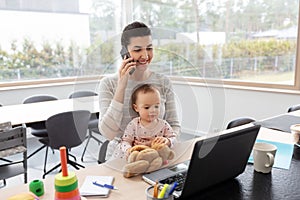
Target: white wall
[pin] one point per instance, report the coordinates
(201, 109)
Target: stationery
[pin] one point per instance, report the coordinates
(101, 188)
(163, 191)
(111, 187)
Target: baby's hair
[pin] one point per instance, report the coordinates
(145, 88)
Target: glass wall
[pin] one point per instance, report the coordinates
(237, 40)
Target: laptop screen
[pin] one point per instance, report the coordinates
(219, 158)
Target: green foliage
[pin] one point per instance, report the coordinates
(258, 48)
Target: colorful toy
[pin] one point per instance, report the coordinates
(37, 187)
(66, 183)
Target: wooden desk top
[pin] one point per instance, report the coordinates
(41, 111)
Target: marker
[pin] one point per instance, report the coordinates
(173, 188)
(111, 187)
(163, 191)
(155, 190)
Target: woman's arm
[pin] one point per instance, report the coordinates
(171, 115)
(111, 100)
(111, 111)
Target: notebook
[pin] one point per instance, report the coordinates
(89, 189)
(214, 160)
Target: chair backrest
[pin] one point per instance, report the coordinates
(13, 138)
(82, 93)
(85, 93)
(294, 108)
(13, 142)
(239, 121)
(67, 129)
(34, 99)
(39, 98)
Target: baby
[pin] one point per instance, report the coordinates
(148, 127)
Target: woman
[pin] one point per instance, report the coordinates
(116, 90)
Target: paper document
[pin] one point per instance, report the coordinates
(89, 189)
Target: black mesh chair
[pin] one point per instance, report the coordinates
(293, 108)
(38, 129)
(66, 129)
(93, 123)
(239, 121)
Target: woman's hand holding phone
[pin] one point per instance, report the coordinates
(126, 57)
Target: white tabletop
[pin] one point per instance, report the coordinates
(41, 111)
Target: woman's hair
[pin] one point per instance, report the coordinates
(135, 29)
(145, 88)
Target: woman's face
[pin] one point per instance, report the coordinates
(141, 50)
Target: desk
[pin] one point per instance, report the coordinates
(280, 184)
(41, 111)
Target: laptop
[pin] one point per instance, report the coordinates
(214, 159)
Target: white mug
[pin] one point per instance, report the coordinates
(263, 156)
(295, 130)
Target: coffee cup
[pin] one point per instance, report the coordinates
(263, 156)
(295, 130)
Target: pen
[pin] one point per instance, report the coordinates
(172, 188)
(155, 191)
(111, 187)
(163, 191)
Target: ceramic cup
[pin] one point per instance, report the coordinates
(263, 156)
(295, 130)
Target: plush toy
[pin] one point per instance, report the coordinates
(143, 159)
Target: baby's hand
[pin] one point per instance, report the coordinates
(161, 140)
(143, 142)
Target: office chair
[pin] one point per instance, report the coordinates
(13, 142)
(38, 129)
(93, 123)
(66, 129)
(239, 121)
(293, 108)
(102, 152)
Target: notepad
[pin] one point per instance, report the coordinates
(89, 189)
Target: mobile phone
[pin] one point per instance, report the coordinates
(125, 54)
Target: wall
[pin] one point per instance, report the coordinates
(201, 108)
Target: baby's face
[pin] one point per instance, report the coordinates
(148, 106)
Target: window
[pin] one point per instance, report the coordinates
(240, 42)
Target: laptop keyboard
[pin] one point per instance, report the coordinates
(179, 178)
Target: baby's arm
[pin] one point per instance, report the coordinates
(170, 135)
(128, 137)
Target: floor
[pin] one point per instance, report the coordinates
(35, 163)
